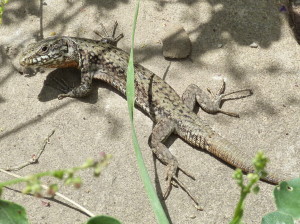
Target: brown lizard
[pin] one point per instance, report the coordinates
(101, 59)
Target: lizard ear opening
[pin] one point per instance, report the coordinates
(63, 43)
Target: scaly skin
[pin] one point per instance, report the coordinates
(101, 59)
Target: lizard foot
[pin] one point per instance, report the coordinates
(172, 180)
(63, 87)
(219, 99)
(110, 39)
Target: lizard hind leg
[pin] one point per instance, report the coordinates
(160, 132)
(211, 103)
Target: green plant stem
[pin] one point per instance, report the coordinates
(239, 210)
(40, 175)
(24, 179)
(56, 194)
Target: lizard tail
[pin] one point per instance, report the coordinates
(229, 153)
(235, 157)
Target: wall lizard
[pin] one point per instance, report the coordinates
(101, 59)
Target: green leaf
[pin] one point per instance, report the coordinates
(59, 174)
(88, 163)
(11, 213)
(287, 197)
(103, 220)
(155, 203)
(277, 218)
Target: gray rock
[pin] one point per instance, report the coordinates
(176, 42)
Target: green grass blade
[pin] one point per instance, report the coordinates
(155, 203)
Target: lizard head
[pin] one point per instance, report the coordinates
(52, 52)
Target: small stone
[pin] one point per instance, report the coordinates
(254, 45)
(192, 216)
(220, 45)
(46, 203)
(176, 42)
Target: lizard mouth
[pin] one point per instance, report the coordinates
(30, 62)
(26, 62)
(23, 62)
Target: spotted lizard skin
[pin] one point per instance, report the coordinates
(171, 113)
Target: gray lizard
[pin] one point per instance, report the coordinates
(101, 59)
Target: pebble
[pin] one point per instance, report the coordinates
(254, 45)
(176, 42)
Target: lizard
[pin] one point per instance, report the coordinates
(171, 114)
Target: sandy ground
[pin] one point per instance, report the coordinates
(83, 128)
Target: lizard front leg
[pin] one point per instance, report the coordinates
(161, 131)
(212, 104)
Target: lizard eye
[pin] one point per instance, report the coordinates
(44, 49)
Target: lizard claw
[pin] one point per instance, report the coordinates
(171, 172)
(183, 187)
(171, 178)
(62, 85)
(219, 98)
(168, 189)
(186, 173)
(61, 96)
(109, 39)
